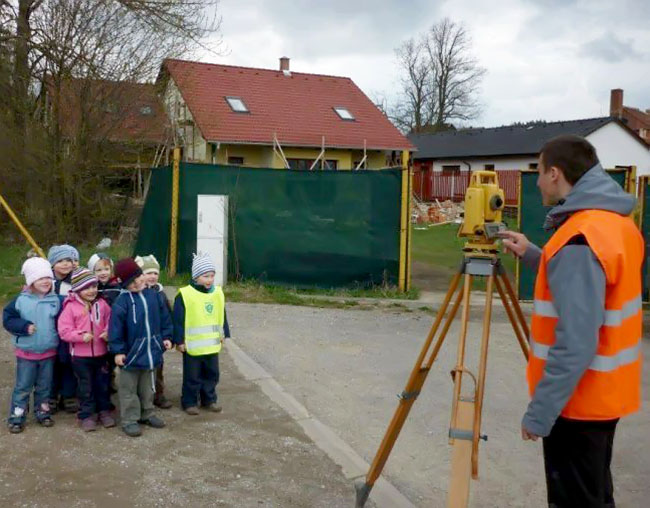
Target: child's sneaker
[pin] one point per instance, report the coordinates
(106, 419)
(132, 430)
(54, 406)
(192, 410)
(214, 407)
(88, 424)
(46, 421)
(70, 405)
(162, 402)
(16, 428)
(153, 421)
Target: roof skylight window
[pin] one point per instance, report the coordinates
(343, 113)
(237, 104)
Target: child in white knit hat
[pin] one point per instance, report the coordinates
(31, 319)
(200, 326)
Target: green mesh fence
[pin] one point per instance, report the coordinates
(532, 216)
(319, 228)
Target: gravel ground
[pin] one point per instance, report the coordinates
(346, 366)
(251, 455)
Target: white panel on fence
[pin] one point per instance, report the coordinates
(212, 232)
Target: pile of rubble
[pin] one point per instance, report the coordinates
(437, 212)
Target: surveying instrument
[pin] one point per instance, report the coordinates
(484, 202)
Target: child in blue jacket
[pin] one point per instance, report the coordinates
(31, 318)
(139, 332)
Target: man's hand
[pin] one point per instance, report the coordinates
(181, 348)
(104, 336)
(168, 344)
(526, 435)
(514, 242)
(31, 329)
(87, 337)
(119, 360)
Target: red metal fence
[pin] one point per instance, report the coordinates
(431, 185)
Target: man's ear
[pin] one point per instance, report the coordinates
(556, 173)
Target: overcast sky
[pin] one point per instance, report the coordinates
(545, 59)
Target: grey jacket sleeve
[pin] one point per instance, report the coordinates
(531, 257)
(577, 283)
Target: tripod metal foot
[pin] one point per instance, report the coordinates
(363, 491)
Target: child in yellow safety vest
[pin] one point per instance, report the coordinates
(200, 325)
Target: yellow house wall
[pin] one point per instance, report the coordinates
(263, 156)
(254, 155)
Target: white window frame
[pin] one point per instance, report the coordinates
(233, 103)
(344, 113)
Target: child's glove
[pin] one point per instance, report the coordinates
(168, 344)
(119, 360)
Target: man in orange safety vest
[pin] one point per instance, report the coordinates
(584, 370)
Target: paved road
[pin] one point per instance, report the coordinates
(346, 366)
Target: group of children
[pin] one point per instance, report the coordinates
(73, 327)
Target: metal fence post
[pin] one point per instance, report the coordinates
(173, 241)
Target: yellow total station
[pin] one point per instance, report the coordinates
(484, 202)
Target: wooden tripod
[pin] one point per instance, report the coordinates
(465, 426)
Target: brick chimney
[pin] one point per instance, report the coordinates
(284, 64)
(616, 103)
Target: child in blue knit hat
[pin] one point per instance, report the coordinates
(61, 260)
(64, 384)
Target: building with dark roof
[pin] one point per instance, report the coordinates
(274, 118)
(517, 147)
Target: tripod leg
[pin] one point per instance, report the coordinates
(482, 366)
(523, 343)
(461, 419)
(408, 396)
(460, 357)
(461, 463)
(515, 302)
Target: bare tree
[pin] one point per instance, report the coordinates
(412, 112)
(440, 79)
(456, 73)
(95, 44)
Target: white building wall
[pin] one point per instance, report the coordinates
(479, 164)
(616, 147)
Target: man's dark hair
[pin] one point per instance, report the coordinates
(573, 155)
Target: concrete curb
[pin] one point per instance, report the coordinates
(383, 494)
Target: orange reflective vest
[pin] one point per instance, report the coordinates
(611, 386)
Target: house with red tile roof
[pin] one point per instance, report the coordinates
(126, 120)
(226, 114)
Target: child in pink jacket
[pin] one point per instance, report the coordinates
(84, 325)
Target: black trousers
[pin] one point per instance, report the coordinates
(93, 384)
(577, 458)
(200, 378)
